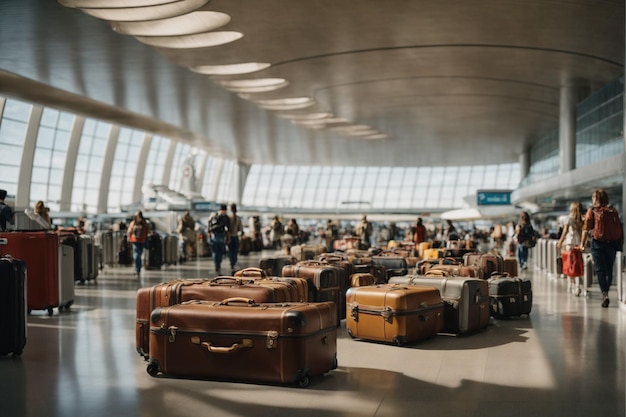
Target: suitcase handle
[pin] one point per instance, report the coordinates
(251, 272)
(224, 280)
(4, 241)
(245, 343)
(436, 273)
(248, 301)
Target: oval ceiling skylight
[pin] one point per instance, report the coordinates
(105, 4)
(375, 136)
(350, 129)
(257, 85)
(161, 11)
(327, 122)
(317, 116)
(286, 103)
(231, 69)
(194, 22)
(198, 40)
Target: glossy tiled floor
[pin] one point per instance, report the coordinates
(568, 359)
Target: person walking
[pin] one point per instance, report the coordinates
(187, 234)
(236, 231)
(419, 235)
(219, 234)
(137, 235)
(571, 238)
(526, 238)
(603, 227)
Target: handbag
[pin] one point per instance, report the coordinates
(573, 265)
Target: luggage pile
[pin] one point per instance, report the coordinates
(249, 327)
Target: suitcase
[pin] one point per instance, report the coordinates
(426, 265)
(394, 265)
(40, 251)
(421, 248)
(510, 296)
(510, 267)
(73, 240)
(216, 289)
(66, 277)
(170, 248)
(430, 253)
(396, 314)
(323, 282)
(572, 263)
(307, 252)
(298, 287)
(466, 301)
(245, 245)
(589, 275)
(362, 280)
(154, 248)
(240, 340)
(456, 270)
(273, 265)
(12, 306)
(488, 263)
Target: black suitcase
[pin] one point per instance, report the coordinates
(154, 249)
(510, 296)
(13, 308)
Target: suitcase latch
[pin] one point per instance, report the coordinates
(272, 337)
(386, 313)
(172, 330)
(354, 311)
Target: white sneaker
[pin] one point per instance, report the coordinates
(577, 291)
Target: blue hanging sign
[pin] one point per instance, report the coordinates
(493, 197)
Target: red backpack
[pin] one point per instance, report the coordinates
(607, 226)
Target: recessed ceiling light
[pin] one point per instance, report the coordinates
(197, 40)
(105, 4)
(161, 11)
(257, 85)
(194, 22)
(231, 69)
(286, 103)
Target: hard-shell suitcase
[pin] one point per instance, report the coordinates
(12, 306)
(40, 251)
(237, 339)
(394, 265)
(398, 314)
(72, 239)
(588, 276)
(466, 300)
(510, 266)
(510, 296)
(170, 249)
(307, 252)
(273, 265)
(487, 262)
(216, 289)
(154, 248)
(323, 281)
(66, 276)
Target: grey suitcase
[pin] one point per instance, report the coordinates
(66, 276)
(466, 300)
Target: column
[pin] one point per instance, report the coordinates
(567, 128)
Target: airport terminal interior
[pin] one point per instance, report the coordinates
(470, 112)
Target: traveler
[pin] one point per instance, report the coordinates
(43, 212)
(236, 231)
(187, 233)
(571, 238)
(292, 234)
(419, 235)
(450, 232)
(331, 234)
(219, 234)
(526, 238)
(137, 234)
(364, 231)
(603, 227)
(6, 213)
(276, 233)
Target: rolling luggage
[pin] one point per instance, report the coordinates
(466, 301)
(510, 267)
(40, 251)
(170, 243)
(237, 339)
(487, 262)
(12, 306)
(66, 277)
(153, 251)
(323, 282)
(245, 245)
(573, 264)
(510, 296)
(216, 289)
(71, 239)
(273, 265)
(396, 314)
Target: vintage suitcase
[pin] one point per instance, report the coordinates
(170, 248)
(466, 300)
(399, 314)
(425, 265)
(421, 248)
(394, 265)
(323, 282)
(154, 248)
(362, 280)
(273, 265)
(458, 270)
(40, 251)
(66, 277)
(237, 339)
(510, 266)
(307, 252)
(487, 262)
(12, 306)
(510, 296)
(216, 289)
(298, 287)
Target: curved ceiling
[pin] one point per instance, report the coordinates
(428, 83)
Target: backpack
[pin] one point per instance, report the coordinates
(607, 226)
(216, 224)
(527, 236)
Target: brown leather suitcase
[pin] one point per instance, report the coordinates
(425, 265)
(510, 266)
(362, 280)
(237, 339)
(273, 265)
(397, 314)
(298, 287)
(216, 289)
(457, 270)
(323, 282)
(487, 262)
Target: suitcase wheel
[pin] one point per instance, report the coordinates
(152, 369)
(350, 333)
(304, 381)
